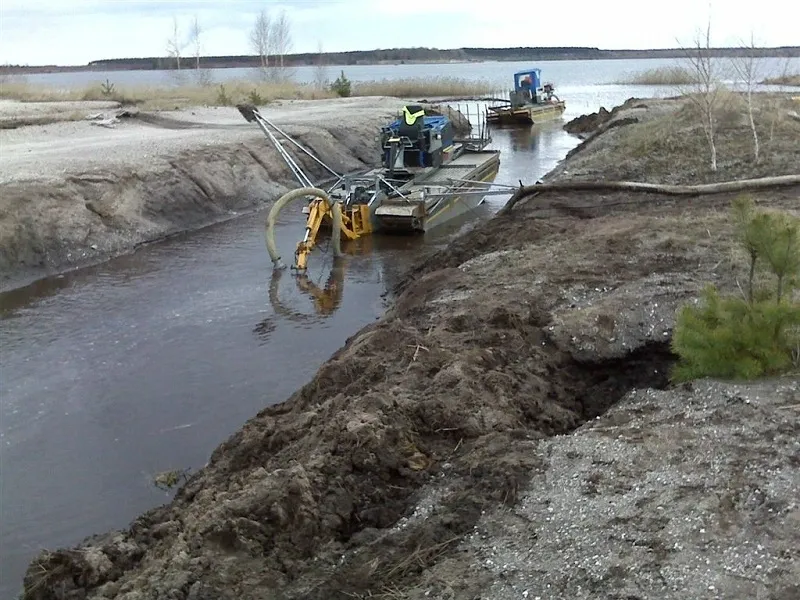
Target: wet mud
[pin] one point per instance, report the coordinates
(453, 413)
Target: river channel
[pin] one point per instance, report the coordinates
(147, 362)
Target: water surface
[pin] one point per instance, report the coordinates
(147, 362)
(566, 74)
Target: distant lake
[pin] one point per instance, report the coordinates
(585, 85)
(563, 73)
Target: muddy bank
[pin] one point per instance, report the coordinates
(666, 145)
(15, 114)
(435, 454)
(592, 124)
(74, 192)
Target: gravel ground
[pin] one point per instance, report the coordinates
(49, 152)
(682, 494)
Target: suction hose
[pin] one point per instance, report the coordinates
(283, 201)
(337, 230)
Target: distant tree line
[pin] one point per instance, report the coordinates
(400, 55)
(270, 38)
(397, 55)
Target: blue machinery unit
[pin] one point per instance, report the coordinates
(531, 80)
(528, 89)
(416, 140)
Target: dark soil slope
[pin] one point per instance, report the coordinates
(371, 480)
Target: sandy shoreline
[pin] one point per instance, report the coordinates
(74, 192)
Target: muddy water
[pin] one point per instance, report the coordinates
(146, 363)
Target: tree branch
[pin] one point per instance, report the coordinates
(650, 188)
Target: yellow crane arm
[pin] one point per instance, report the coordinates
(317, 211)
(351, 223)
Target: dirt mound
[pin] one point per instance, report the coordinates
(84, 216)
(404, 402)
(370, 481)
(587, 123)
(167, 122)
(594, 123)
(663, 142)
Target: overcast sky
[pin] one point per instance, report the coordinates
(73, 32)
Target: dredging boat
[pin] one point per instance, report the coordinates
(427, 177)
(529, 102)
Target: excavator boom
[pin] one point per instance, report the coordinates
(317, 211)
(353, 222)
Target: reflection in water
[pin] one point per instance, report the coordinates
(265, 328)
(326, 299)
(522, 140)
(14, 300)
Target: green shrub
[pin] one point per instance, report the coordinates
(341, 87)
(757, 333)
(256, 99)
(223, 99)
(107, 88)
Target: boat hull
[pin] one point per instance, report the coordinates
(458, 205)
(423, 211)
(432, 196)
(526, 115)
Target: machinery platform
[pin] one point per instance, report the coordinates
(444, 193)
(427, 176)
(530, 102)
(530, 114)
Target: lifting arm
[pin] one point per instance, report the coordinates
(318, 209)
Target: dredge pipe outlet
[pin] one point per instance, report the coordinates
(276, 209)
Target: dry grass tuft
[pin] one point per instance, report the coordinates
(417, 87)
(420, 558)
(166, 97)
(669, 146)
(661, 76)
(784, 80)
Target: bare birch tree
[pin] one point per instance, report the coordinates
(281, 38)
(747, 69)
(174, 44)
(261, 38)
(706, 94)
(321, 69)
(194, 39)
(203, 76)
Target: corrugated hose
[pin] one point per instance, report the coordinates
(283, 201)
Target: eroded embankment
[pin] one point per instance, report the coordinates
(451, 385)
(73, 193)
(434, 421)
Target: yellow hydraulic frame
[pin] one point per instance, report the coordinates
(355, 224)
